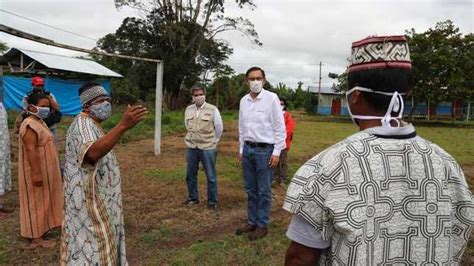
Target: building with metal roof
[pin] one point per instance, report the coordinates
(332, 102)
(22, 61)
(63, 76)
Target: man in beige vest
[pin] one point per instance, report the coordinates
(204, 125)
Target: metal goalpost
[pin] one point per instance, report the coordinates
(159, 72)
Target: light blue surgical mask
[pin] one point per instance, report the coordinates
(101, 111)
(41, 112)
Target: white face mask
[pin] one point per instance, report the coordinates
(199, 100)
(256, 86)
(396, 105)
(41, 112)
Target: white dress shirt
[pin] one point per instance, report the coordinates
(261, 120)
(218, 125)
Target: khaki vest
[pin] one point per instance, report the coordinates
(201, 133)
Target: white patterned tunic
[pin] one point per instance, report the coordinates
(93, 226)
(385, 199)
(5, 167)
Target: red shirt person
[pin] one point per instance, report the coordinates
(281, 170)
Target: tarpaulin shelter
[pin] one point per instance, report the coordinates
(63, 76)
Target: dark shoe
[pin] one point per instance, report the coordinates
(191, 202)
(212, 207)
(246, 229)
(260, 232)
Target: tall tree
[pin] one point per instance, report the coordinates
(442, 60)
(185, 34)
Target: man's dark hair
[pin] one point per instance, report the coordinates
(382, 79)
(254, 69)
(87, 86)
(198, 86)
(285, 103)
(34, 98)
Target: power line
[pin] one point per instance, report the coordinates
(47, 25)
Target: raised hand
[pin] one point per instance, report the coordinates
(133, 115)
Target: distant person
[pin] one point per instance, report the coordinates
(383, 196)
(93, 232)
(5, 166)
(204, 125)
(40, 182)
(55, 115)
(262, 138)
(281, 171)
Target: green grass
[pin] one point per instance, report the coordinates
(228, 168)
(312, 137)
(170, 175)
(459, 142)
(4, 259)
(162, 233)
(230, 250)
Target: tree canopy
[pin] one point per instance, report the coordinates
(184, 34)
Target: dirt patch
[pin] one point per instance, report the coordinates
(153, 206)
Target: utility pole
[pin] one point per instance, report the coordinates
(319, 91)
(217, 86)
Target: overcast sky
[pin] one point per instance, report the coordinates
(296, 34)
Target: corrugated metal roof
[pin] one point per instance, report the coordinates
(324, 90)
(67, 63)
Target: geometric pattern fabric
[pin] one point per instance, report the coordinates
(385, 201)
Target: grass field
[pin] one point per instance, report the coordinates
(161, 231)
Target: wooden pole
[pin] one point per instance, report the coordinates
(158, 106)
(319, 91)
(217, 87)
(32, 37)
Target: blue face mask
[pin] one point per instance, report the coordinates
(42, 112)
(102, 110)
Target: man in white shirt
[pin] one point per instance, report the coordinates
(262, 138)
(204, 125)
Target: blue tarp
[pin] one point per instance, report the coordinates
(65, 92)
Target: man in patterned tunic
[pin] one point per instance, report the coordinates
(93, 226)
(383, 196)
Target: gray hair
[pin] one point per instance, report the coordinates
(196, 87)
